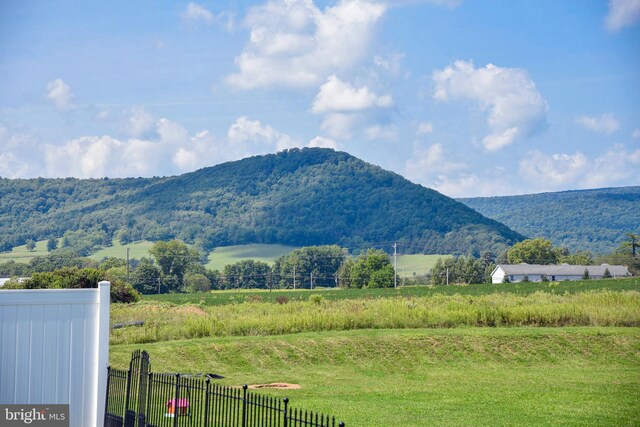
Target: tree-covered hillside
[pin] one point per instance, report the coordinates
(594, 220)
(297, 197)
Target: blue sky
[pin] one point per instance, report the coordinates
(471, 98)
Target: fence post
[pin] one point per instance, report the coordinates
(106, 397)
(175, 402)
(244, 405)
(206, 403)
(127, 400)
(286, 411)
(102, 347)
(148, 397)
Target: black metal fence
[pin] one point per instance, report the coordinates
(140, 398)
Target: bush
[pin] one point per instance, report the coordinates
(123, 292)
(281, 299)
(74, 278)
(316, 299)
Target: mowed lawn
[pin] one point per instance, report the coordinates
(422, 377)
(367, 374)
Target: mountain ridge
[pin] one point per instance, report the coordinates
(300, 197)
(593, 219)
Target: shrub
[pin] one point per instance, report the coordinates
(316, 299)
(74, 278)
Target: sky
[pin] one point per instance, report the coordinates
(468, 97)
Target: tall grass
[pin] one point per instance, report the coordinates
(249, 295)
(169, 322)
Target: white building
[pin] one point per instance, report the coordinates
(553, 273)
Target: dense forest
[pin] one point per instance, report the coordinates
(593, 220)
(297, 197)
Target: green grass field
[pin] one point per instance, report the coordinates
(418, 265)
(21, 254)
(424, 377)
(136, 250)
(222, 256)
(480, 355)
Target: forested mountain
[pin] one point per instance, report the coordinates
(297, 197)
(594, 220)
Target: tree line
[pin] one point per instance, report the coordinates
(174, 266)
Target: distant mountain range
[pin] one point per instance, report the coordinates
(297, 197)
(594, 220)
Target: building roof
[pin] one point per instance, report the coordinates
(562, 269)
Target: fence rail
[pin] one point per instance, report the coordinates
(140, 398)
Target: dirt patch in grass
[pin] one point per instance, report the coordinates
(191, 309)
(283, 386)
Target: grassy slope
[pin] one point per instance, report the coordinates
(21, 254)
(465, 376)
(222, 256)
(136, 250)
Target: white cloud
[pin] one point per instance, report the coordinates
(377, 132)
(295, 44)
(515, 109)
(606, 123)
(431, 161)
(464, 185)
(322, 142)
(472, 185)
(339, 125)
(169, 149)
(87, 157)
(391, 64)
(139, 122)
(18, 155)
(424, 128)
(103, 115)
(170, 132)
(200, 152)
(252, 131)
(622, 13)
(59, 93)
(197, 13)
(616, 167)
(635, 134)
(554, 171)
(336, 95)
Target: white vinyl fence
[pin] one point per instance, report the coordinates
(54, 349)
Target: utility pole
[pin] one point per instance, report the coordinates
(128, 281)
(395, 265)
(294, 277)
(634, 245)
(447, 276)
(312, 280)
